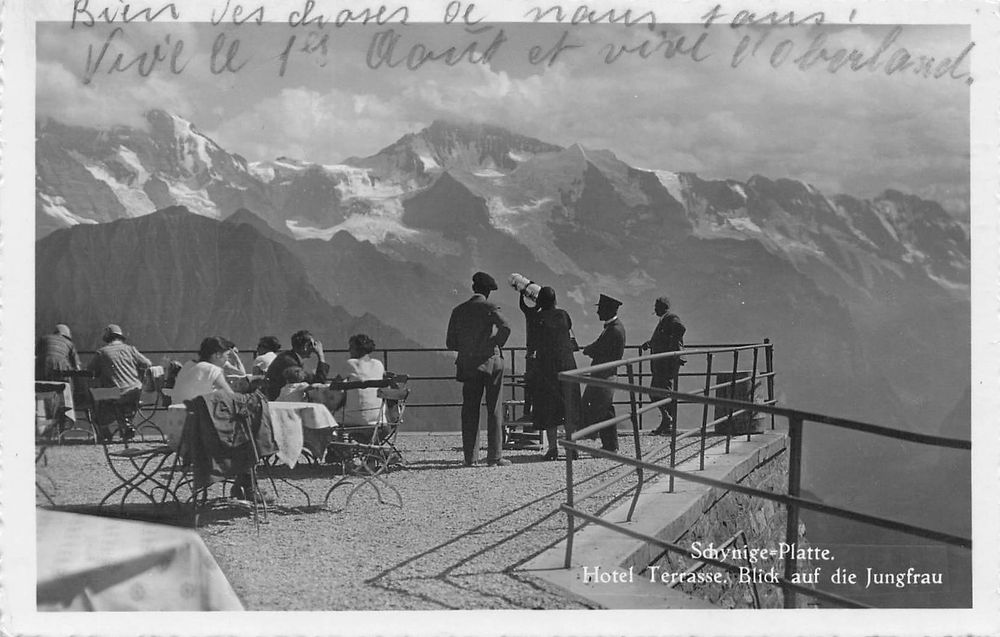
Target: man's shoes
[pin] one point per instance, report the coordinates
(574, 454)
(611, 449)
(127, 433)
(551, 454)
(470, 463)
(501, 462)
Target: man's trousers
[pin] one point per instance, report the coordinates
(598, 405)
(473, 387)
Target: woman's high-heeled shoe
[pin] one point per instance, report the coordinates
(551, 454)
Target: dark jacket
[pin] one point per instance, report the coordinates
(668, 335)
(609, 346)
(274, 379)
(55, 353)
(554, 354)
(215, 441)
(476, 331)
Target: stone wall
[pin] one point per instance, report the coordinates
(763, 525)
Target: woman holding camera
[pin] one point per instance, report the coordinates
(554, 347)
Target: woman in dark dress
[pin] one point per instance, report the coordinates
(553, 354)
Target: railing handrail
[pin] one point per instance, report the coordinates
(513, 348)
(887, 523)
(845, 423)
(735, 406)
(590, 369)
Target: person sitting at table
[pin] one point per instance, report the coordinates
(363, 406)
(204, 375)
(232, 365)
(55, 353)
(267, 349)
(118, 364)
(304, 345)
(296, 384)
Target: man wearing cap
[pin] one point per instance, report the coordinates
(477, 331)
(55, 353)
(120, 365)
(598, 402)
(667, 337)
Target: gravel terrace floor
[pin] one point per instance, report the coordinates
(456, 542)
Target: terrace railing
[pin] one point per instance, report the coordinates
(400, 359)
(791, 500)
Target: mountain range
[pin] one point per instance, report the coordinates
(866, 300)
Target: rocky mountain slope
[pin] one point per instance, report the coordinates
(867, 301)
(199, 277)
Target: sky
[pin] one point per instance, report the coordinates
(848, 132)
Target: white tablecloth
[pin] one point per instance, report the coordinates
(288, 421)
(53, 398)
(87, 562)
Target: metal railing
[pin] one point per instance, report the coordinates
(514, 382)
(791, 500)
(384, 353)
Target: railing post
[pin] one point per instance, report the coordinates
(638, 445)
(753, 385)
(642, 397)
(792, 517)
(704, 409)
(675, 383)
(732, 396)
(513, 384)
(568, 428)
(769, 364)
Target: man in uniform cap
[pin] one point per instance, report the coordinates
(598, 402)
(667, 337)
(477, 331)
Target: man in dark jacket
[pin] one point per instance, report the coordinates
(477, 331)
(667, 337)
(598, 402)
(303, 346)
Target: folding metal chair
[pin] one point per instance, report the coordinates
(136, 465)
(393, 408)
(44, 428)
(258, 505)
(153, 398)
(366, 453)
(256, 463)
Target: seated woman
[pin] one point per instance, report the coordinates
(204, 375)
(296, 383)
(231, 363)
(363, 409)
(267, 349)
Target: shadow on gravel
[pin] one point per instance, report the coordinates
(462, 583)
(425, 465)
(218, 511)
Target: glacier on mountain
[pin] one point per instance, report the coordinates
(131, 194)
